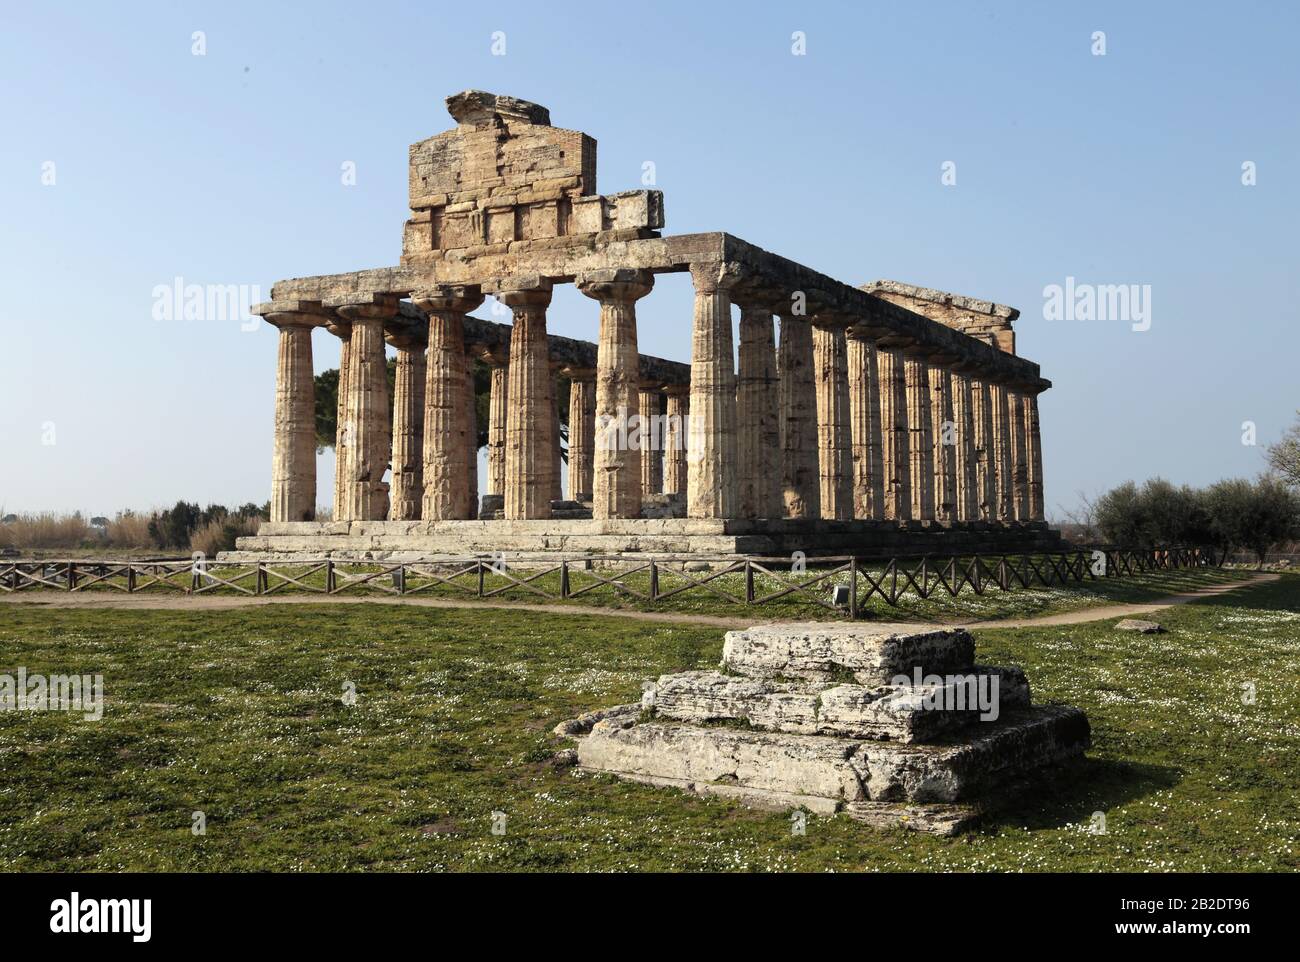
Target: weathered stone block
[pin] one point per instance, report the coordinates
(902, 713)
(871, 654)
(762, 761)
(840, 769)
(702, 696)
(976, 760)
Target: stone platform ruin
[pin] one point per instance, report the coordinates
(891, 724)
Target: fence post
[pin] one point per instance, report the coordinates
(749, 583)
(329, 576)
(654, 580)
(853, 586)
(564, 578)
(479, 562)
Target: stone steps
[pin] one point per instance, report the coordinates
(903, 713)
(858, 718)
(838, 770)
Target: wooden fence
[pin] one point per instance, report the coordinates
(840, 584)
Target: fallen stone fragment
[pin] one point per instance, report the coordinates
(565, 758)
(584, 723)
(1140, 626)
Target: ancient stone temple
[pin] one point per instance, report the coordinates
(813, 415)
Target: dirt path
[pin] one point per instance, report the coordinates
(62, 599)
(1105, 612)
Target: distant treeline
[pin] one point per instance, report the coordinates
(184, 527)
(1232, 515)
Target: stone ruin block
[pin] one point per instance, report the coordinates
(828, 651)
(505, 175)
(780, 726)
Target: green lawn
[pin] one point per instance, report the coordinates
(238, 713)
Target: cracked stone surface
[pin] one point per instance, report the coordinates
(839, 769)
(903, 713)
(871, 653)
(781, 726)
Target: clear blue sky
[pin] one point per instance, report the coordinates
(225, 169)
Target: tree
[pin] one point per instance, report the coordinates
(1274, 516)
(171, 528)
(1255, 515)
(1284, 457)
(1119, 515)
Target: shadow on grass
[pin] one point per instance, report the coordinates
(1070, 793)
(1280, 595)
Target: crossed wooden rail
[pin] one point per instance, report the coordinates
(663, 578)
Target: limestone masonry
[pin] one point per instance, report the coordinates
(884, 418)
(890, 724)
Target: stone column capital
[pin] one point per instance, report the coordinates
(522, 291)
(457, 298)
(829, 320)
(365, 307)
(617, 285)
(677, 390)
(582, 374)
(710, 277)
(406, 340)
(493, 356)
(284, 314)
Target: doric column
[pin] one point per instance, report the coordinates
(711, 476)
(1003, 490)
(946, 439)
(896, 462)
(652, 442)
(365, 494)
(616, 477)
(963, 408)
(800, 488)
(758, 425)
(408, 430)
(582, 432)
(557, 442)
(985, 464)
(678, 422)
(293, 464)
(530, 398)
(446, 463)
(496, 462)
(470, 407)
(343, 331)
(921, 435)
(864, 418)
(1019, 455)
(834, 437)
(1034, 457)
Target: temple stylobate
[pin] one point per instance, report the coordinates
(882, 418)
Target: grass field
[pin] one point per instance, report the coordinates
(239, 714)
